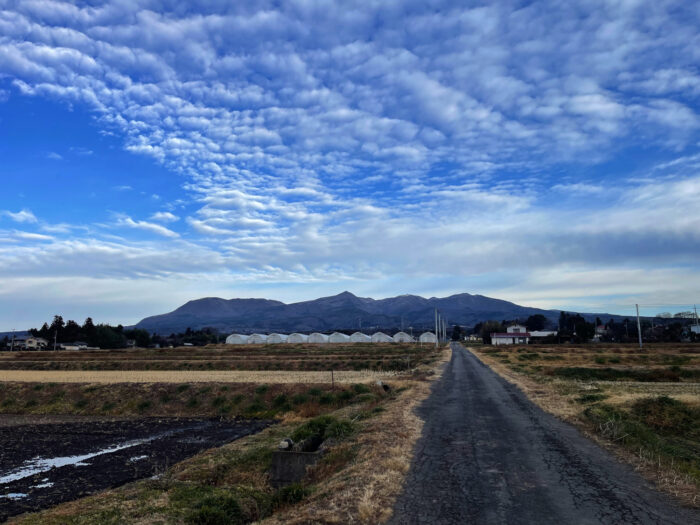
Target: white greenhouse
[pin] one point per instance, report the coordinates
(337, 337)
(359, 337)
(297, 338)
(257, 339)
(276, 338)
(402, 337)
(318, 338)
(236, 339)
(427, 337)
(381, 337)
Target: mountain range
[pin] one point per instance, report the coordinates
(344, 311)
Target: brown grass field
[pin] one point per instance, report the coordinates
(643, 404)
(288, 357)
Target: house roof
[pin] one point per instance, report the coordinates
(511, 334)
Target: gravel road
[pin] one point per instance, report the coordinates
(490, 456)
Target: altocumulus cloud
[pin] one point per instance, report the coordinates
(323, 142)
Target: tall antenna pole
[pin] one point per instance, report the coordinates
(12, 345)
(639, 328)
(696, 315)
(55, 337)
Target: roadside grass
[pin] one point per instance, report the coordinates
(645, 406)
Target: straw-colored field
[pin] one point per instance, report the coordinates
(195, 376)
(643, 403)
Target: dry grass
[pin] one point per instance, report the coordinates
(175, 376)
(365, 492)
(387, 356)
(564, 397)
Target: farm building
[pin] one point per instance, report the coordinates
(297, 338)
(337, 337)
(236, 339)
(257, 339)
(381, 337)
(359, 337)
(318, 338)
(276, 338)
(402, 337)
(515, 334)
(427, 337)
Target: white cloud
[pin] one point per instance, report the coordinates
(146, 226)
(24, 216)
(164, 216)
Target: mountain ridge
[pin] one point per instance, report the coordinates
(344, 311)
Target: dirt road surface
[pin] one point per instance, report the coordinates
(489, 456)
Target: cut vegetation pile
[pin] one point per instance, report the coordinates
(644, 404)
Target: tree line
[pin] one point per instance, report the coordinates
(110, 337)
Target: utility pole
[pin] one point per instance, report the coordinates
(436, 331)
(55, 338)
(696, 315)
(12, 344)
(639, 328)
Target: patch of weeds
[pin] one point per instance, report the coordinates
(237, 399)
(254, 408)
(216, 510)
(218, 401)
(205, 390)
(280, 401)
(181, 388)
(361, 389)
(192, 402)
(366, 398)
(107, 406)
(291, 494)
(7, 402)
(600, 360)
(30, 403)
(614, 360)
(529, 356)
(262, 389)
(324, 427)
(89, 389)
(314, 392)
(326, 398)
(667, 414)
(143, 406)
(300, 399)
(345, 395)
(590, 398)
(38, 387)
(165, 398)
(81, 403)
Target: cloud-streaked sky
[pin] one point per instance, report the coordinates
(151, 152)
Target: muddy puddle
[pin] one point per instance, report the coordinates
(42, 465)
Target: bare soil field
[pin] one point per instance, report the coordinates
(287, 357)
(644, 404)
(100, 454)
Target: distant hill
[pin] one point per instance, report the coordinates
(344, 311)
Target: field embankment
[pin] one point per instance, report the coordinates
(643, 404)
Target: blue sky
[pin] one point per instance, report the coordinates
(539, 152)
